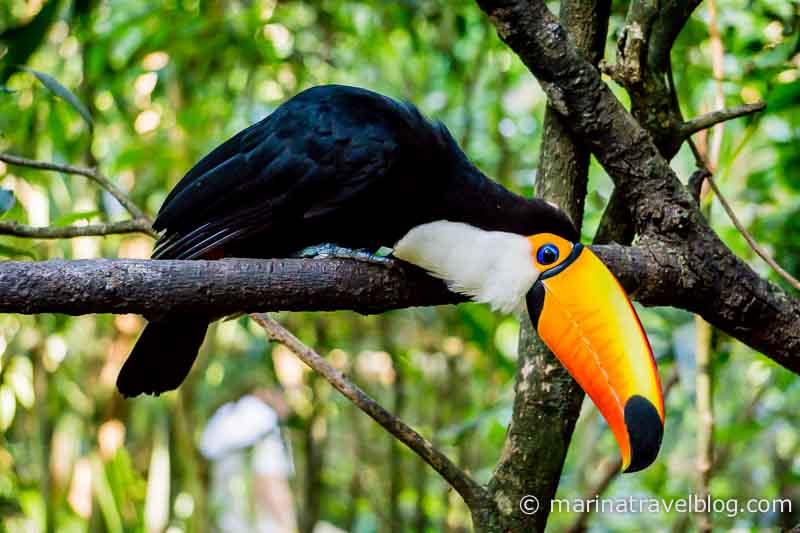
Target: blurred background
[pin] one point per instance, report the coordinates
(167, 82)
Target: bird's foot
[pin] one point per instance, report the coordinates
(332, 251)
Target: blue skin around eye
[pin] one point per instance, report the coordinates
(547, 254)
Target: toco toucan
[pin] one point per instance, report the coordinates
(359, 170)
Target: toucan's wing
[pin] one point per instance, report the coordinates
(318, 151)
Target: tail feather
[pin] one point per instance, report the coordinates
(163, 356)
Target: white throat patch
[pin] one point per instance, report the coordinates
(492, 267)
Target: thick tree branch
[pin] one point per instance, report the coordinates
(91, 173)
(715, 117)
(472, 493)
(67, 232)
(712, 282)
(216, 288)
(655, 273)
(672, 17)
(575, 90)
(644, 69)
(616, 224)
(229, 286)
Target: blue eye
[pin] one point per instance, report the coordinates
(547, 254)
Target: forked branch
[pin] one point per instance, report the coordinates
(91, 173)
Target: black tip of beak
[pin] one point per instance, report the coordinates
(644, 431)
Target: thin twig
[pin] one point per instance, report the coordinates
(68, 232)
(697, 179)
(470, 491)
(761, 252)
(723, 454)
(91, 173)
(743, 416)
(611, 473)
(749, 238)
(716, 117)
(702, 164)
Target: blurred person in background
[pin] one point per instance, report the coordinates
(251, 463)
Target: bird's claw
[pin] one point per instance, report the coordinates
(332, 251)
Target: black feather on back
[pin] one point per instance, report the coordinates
(333, 164)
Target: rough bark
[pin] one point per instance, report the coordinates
(247, 285)
(547, 400)
(643, 68)
(616, 224)
(712, 281)
(653, 273)
(215, 287)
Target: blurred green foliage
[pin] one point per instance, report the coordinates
(168, 81)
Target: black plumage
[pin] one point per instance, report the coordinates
(333, 164)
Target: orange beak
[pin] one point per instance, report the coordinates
(584, 316)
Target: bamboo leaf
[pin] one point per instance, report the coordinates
(105, 497)
(62, 92)
(8, 406)
(13, 251)
(71, 218)
(19, 376)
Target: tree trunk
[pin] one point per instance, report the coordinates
(547, 400)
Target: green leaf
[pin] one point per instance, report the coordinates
(6, 200)
(11, 251)
(9, 506)
(71, 218)
(62, 92)
(784, 96)
(8, 406)
(19, 376)
(23, 40)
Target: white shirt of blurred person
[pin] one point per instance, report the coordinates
(250, 468)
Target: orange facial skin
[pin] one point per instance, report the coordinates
(584, 316)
